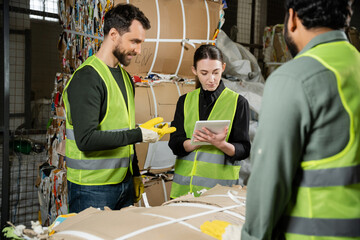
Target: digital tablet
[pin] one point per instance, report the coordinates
(215, 126)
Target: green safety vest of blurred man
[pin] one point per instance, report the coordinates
(305, 179)
(101, 162)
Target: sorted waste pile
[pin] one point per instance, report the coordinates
(52, 181)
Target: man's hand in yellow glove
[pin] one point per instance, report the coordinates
(161, 130)
(148, 130)
(138, 188)
(165, 129)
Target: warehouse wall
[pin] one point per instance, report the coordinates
(244, 20)
(275, 12)
(18, 23)
(355, 20)
(45, 59)
(24, 205)
(230, 24)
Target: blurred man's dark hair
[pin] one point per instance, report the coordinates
(334, 14)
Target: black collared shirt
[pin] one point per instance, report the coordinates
(239, 135)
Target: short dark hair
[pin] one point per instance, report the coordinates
(121, 16)
(208, 52)
(321, 13)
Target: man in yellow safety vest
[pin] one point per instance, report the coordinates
(101, 163)
(305, 179)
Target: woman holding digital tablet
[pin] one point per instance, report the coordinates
(203, 166)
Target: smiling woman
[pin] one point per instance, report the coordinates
(198, 167)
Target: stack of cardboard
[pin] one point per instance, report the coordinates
(354, 37)
(177, 29)
(177, 219)
(157, 99)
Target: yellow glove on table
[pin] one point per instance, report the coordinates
(215, 228)
(138, 188)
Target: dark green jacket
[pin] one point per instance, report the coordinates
(302, 118)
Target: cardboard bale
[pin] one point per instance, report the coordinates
(157, 192)
(160, 101)
(177, 220)
(200, 25)
(166, 95)
(354, 37)
(142, 105)
(187, 87)
(141, 152)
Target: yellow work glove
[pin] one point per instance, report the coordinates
(215, 228)
(138, 188)
(151, 123)
(148, 130)
(161, 130)
(165, 129)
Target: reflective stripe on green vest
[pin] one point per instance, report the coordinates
(327, 203)
(206, 166)
(106, 166)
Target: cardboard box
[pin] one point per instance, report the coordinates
(178, 219)
(157, 192)
(141, 152)
(160, 101)
(200, 25)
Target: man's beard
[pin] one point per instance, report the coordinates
(289, 41)
(121, 56)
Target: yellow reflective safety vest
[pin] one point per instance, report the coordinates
(205, 167)
(106, 166)
(327, 202)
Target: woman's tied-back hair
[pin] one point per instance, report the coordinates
(321, 13)
(207, 52)
(121, 16)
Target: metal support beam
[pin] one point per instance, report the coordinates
(5, 191)
(252, 27)
(27, 79)
(30, 11)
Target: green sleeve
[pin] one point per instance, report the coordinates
(275, 155)
(87, 98)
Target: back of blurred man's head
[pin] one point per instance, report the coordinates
(334, 14)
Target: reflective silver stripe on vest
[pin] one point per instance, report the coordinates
(98, 164)
(202, 181)
(331, 177)
(71, 136)
(179, 179)
(323, 227)
(210, 158)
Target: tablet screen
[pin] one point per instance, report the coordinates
(215, 126)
